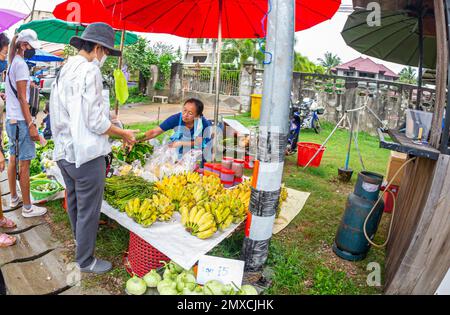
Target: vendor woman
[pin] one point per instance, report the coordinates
(190, 126)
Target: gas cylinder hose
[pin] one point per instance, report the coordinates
(393, 208)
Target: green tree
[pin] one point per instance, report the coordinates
(303, 64)
(408, 75)
(69, 51)
(237, 51)
(329, 61)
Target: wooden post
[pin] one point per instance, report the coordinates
(419, 254)
(441, 73)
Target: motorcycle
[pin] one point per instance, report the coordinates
(303, 115)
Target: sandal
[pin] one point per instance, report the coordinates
(7, 223)
(7, 240)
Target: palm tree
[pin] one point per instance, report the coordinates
(303, 64)
(408, 75)
(239, 50)
(329, 61)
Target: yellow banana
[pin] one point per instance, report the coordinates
(207, 233)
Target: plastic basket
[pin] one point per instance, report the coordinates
(39, 195)
(306, 151)
(142, 257)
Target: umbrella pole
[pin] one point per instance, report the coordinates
(122, 41)
(219, 52)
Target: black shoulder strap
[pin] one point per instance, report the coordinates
(10, 83)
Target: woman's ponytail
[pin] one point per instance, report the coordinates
(12, 49)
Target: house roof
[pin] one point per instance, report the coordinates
(366, 65)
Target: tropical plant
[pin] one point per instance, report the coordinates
(238, 51)
(329, 61)
(408, 75)
(303, 64)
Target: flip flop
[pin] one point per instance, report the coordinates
(7, 240)
(7, 223)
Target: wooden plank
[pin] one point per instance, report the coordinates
(427, 255)
(45, 275)
(411, 200)
(79, 290)
(30, 244)
(441, 72)
(21, 222)
(6, 199)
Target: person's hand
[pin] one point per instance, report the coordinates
(34, 133)
(129, 138)
(2, 162)
(175, 144)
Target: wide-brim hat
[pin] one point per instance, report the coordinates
(99, 33)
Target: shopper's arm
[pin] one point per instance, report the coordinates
(25, 107)
(153, 133)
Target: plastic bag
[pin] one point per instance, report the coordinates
(121, 86)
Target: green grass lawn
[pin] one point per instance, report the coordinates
(300, 257)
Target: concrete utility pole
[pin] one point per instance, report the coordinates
(272, 135)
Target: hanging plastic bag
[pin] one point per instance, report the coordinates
(121, 86)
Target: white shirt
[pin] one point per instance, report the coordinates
(79, 117)
(18, 72)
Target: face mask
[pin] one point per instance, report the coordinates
(29, 53)
(3, 65)
(101, 62)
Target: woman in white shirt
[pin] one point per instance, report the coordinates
(80, 127)
(21, 130)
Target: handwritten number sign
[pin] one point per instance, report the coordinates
(224, 270)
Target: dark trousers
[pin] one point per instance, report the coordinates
(84, 186)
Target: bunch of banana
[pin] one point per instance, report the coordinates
(198, 221)
(283, 197)
(193, 178)
(166, 183)
(175, 193)
(199, 194)
(144, 213)
(243, 193)
(237, 208)
(213, 185)
(163, 206)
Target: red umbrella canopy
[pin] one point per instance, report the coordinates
(200, 18)
(92, 11)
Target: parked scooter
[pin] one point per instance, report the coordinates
(303, 115)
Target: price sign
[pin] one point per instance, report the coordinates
(224, 270)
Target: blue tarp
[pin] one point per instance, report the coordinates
(43, 56)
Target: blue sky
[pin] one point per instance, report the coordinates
(312, 43)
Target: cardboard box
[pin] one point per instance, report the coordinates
(396, 160)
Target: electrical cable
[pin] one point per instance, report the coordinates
(262, 40)
(393, 209)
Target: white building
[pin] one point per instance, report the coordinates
(199, 51)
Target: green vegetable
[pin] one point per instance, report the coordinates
(138, 152)
(247, 289)
(136, 286)
(152, 279)
(213, 287)
(35, 167)
(166, 283)
(185, 280)
(120, 189)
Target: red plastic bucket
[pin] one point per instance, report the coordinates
(306, 150)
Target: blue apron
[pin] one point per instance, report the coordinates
(179, 135)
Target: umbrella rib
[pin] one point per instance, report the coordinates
(184, 18)
(207, 14)
(317, 12)
(400, 42)
(248, 19)
(365, 22)
(159, 16)
(226, 18)
(378, 29)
